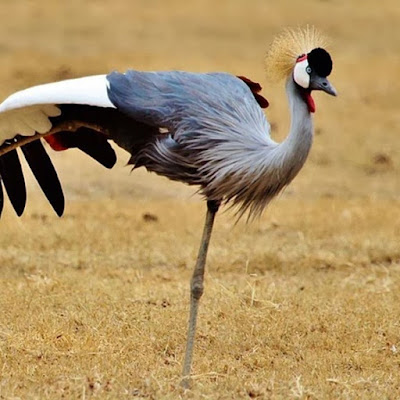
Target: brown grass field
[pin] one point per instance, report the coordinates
(302, 304)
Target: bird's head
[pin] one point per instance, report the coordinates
(300, 55)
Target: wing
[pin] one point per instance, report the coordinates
(75, 113)
(173, 98)
(255, 89)
(27, 112)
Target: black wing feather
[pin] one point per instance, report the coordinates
(90, 142)
(131, 135)
(97, 147)
(45, 174)
(1, 198)
(13, 179)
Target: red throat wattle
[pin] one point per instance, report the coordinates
(309, 101)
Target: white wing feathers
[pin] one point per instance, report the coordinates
(28, 111)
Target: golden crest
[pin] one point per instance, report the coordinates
(288, 46)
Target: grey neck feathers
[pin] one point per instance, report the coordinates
(262, 174)
(293, 151)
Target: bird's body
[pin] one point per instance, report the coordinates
(217, 138)
(201, 129)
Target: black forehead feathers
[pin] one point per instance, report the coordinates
(320, 61)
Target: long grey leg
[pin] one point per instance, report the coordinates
(196, 289)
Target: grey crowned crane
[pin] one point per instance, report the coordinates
(203, 129)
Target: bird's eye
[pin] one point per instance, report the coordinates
(308, 70)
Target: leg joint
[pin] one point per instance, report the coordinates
(196, 289)
(213, 205)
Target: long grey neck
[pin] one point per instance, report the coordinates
(295, 148)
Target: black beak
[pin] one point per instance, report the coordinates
(320, 83)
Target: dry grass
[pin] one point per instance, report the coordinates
(302, 304)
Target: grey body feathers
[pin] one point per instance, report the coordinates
(208, 130)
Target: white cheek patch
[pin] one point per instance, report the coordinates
(300, 75)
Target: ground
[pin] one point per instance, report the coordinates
(303, 303)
